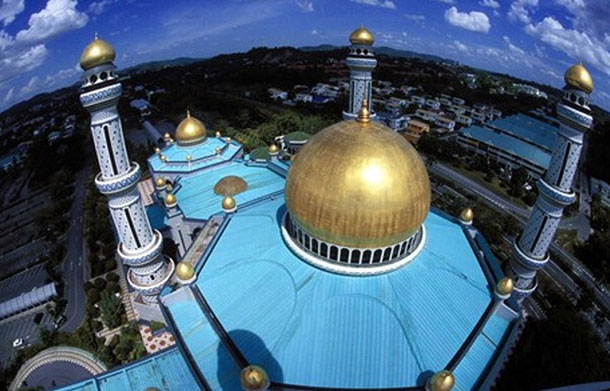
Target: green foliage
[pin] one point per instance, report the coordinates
(112, 276)
(93, 296)
(517, 180)
(111, 309)
(99, 283)
(595, 254)
(112, 287)
(129, 345)
(155, 325)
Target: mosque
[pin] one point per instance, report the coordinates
(326, 269)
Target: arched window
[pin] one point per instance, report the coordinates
(307, 241)
(323, 250)
(366, 256)
(395, 252)
(355, 256)
(344, 255)
(387, 254)
(377, 256)
(334, 253)
(314, 245)
(403, 247)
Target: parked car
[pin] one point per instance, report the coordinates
(18, 343)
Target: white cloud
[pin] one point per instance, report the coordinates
(576, 44)
(9, 9)
(446, 1)
(419, 19)
(513, 49)
(98, 7)
(460, 46)
(314, 32)
(9, 95)
(32, 85)
(473, 21)
(489, 3)
(14, 64)
(305, 6)
(57, 17)
(519, 10)
(377, 3)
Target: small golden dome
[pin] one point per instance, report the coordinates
(361, 36)
(228, 203)
(170, 200)
(371, 188)
(228, 139)
(159, 182)
(504, 287)
(189, 158)
(441, 381)
(273, 148)
(190, 130)
(170, 187)
(467, 215)
(163, 158)
(217, 150)
(253, 377)
(184, 271)
(157, 150)
(577, 76)
(218, 134)
(98, 52)
(230, 185)
(364, 115)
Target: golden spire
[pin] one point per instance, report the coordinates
(98, 52)
(364, 115)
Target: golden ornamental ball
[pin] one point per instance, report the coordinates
(163, 158)
(273, 148)
(170, 200)
(579, 77)
(228, 203)
(184, 271)
(505, 286)
(190, 130)
(218, 135)
(159, 182)
(167, 136)
(228, 139)
(98, 52)
(157, 150)
(441, 381)
(189, 158)
(170, 187)
(358, 184)
(253, 377)
(467, 215)
(361, 36)
(217, 150)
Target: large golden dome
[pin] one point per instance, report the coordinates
(577, 76)
(98, 52)
(361, 36)
(358, 184)
(190, 130)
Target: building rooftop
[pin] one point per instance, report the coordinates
(528, 129)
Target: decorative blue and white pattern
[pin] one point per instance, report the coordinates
(98, 96)
(118, 184)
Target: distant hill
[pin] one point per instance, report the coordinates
(388, 51)
(157, 65)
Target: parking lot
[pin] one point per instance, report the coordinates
(23, 281)
(22, 327)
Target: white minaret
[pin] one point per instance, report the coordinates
(361, 62)
(530, 250)
(140, 247)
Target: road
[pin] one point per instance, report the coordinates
(521, 214)
(73, 265)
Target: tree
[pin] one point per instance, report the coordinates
(517, 181)
(111, 310)
(45, 336)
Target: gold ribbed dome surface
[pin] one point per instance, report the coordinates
(228, 203)
(359, 185)
(184, 271)
(190, 130)
(441, 381)
(98, 52)
(577, 76)
(361, 36)
(230, 185)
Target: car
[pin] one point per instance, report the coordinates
(18, 342)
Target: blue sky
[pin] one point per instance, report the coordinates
(41, 40)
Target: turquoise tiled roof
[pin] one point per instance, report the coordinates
(203, 155)
(310, 327)
(196, 197)
(166, 371)
(528, 128)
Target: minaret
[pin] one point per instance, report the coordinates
(530, 250)
(361, 62)
(140, 247)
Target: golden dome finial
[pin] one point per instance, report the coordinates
(170, 200)
(441, 381)
(228, 204)
(364, 115)
(190, 130)
(160, 182)
(98, 52)
(578, 76)
(163, 158)
(253, 378)
(467, 216)
(185, 271)
(273, 149)
(504, 287)
(361, 36)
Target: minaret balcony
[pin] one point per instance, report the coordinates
(156, 285)
(555, 195)
(144, 255)
(527, 261)
(118, 183)
(101, 95)
(578, 119)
